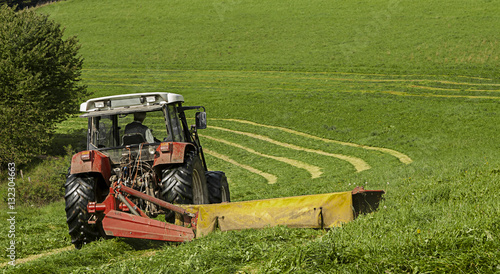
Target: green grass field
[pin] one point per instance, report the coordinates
(305, 81)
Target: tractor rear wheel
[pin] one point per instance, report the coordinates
(184, 184)
(80, 190)
(218, 188)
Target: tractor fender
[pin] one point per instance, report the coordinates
(91, 161)
(171, 153)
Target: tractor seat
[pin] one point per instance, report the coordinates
(133, 138)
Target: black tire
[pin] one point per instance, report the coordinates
(184, 184)
(80, 190)
(218, 188)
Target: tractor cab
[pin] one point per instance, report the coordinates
(137, 122)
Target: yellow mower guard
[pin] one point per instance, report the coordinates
(309, 211)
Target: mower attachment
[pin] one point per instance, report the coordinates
(309, 211)
(122, 218)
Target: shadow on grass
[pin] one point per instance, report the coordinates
(142, 244)
(77, 138)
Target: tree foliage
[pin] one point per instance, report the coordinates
(21, 4)
(39, 82)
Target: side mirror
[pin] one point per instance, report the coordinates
(201, 120)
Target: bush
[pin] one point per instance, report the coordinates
(45, 182)
(39, 82)
(21, 4)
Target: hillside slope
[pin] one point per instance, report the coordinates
(458, 37)
(306, 97)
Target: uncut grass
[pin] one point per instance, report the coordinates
(450, 37)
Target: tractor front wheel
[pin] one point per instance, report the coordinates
(218, 188)
(80, 190)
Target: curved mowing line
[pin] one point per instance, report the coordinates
(113, 81)
(402, 157)
(453, 89)
(402, 93)
(313, 170)
(149, 75)
(467, 84)
(283, 72)
(359, 164)
(271, 179)
(121, 85)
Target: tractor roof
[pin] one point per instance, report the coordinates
(128, 103)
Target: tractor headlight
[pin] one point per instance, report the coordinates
(150, 99)
(99, 104)
(85, 155)
(165, 147)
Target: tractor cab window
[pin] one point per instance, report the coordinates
(142, 127)
(102, 131)
(126, 129)
(174, 125)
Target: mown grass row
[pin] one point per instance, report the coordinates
(398, 85)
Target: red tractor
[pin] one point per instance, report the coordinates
(142, 158)
(141, 141)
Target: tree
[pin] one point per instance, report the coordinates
(39, 82)
(22, 4)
